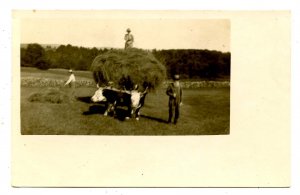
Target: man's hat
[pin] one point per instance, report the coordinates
(176, 77)
(128, 30)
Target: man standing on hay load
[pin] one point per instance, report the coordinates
(71, 82)
(174, 92)
(128, 39)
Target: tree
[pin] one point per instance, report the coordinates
(24, 58)
(42, 64)
(194, 63)
(34, 56)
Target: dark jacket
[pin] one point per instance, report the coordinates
(175, 94)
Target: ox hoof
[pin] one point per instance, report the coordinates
(127, 118)
(137, 119)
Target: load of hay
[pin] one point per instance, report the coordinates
(51, 95)
(126, 68)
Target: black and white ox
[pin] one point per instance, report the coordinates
(113, 98)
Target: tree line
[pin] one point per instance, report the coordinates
(189, 63)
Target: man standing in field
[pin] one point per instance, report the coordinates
(128, 39)
(71, 82)
(174, 92)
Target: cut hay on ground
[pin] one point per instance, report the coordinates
(125, 68)
(51, 95)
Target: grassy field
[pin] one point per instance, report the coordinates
(54, 74)
(205, 111)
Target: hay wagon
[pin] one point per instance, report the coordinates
(125, 76)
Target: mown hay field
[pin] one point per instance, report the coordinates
(205, 111)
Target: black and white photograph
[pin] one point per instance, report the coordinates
(124, 76)
(161, 98)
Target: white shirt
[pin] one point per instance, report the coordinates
(71, 79)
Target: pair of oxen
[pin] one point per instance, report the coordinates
(112, 97)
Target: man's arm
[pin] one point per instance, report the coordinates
(180, 95)
(170, 91)
(69, 81)
(71, 78)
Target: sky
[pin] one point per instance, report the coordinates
(160, 33)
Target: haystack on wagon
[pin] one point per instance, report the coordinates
(127, 71)
(127, 68)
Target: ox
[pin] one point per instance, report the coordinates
(133, 100)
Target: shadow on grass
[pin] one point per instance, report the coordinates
(154, 118)
(120, 113)
(95, 109)
(86, 99)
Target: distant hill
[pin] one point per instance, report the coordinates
(24, 45)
